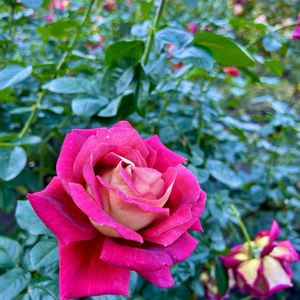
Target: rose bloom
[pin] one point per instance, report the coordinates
(296, 32)
(232, 71)
(208, 281)
(118, 203)
(267, 270)
(59, 4)
(109, 5)
(192, 27)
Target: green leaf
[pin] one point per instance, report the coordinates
(224, 50)
(12, 75)
(44, 253)
(27, 140)
(111, 109)
(7, 199)
(174, 36)
(131, 51)
(222, 279)
(10, 251)
(124, 81)
(13, 282)
(12, 162)
(223, 173)
(28, 220)
(88, 107)
(142, 90)
(197, 56)
(275, 65)
(68, 85)
(33, 3)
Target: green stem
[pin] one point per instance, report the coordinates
(58, 67)
(249, 45)
(200, 124)
(11, 22)
(154, 28)
(243, 227)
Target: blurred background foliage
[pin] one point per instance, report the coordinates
(80, 64)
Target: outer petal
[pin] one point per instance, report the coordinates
(165, 158)
(83, 274)
(248, 271)
(284, 250)
(162, 278)
(69, 151)
(186, 202)
(57, 210)
(103, 222)
(147, 258)
(272, 233)
(275, 275)
(120, 136)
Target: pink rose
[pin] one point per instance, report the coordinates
(109, 5)
(118, 203)
(296, 32)
(192, 27)
(266, 270)
(232, 71)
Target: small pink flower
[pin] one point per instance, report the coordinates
(49, 18)
(267, 270)
(209, 282)
(232, 71)
(177, 67)
(119, 203)
(109, 5)
(296, 32)
(238, 9)
(192, 27)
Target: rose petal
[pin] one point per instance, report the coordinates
(83, 274)
(284, 250)
(69, 151)
(147, 257)
(120, 136)
(162, 277)
(196, 226)
(123, 124)
(275, 276)
(165, 158)
(57, 210)
(185, 209)
(248, 270)
(103, 222)
(90, 153)
(128, 210)
(272, 233)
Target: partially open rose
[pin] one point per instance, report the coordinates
(118, 203)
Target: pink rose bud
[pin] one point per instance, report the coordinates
(210, 287)
(238, 9)
(296, 32)
(177, 67)
(232, 71)
(119, 203)
(266, 270)
(49, 18)
(192, 27)
(170, 49)
(109, 5)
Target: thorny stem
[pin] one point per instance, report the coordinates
(243, 228)
(157, 18)
(58, 67)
